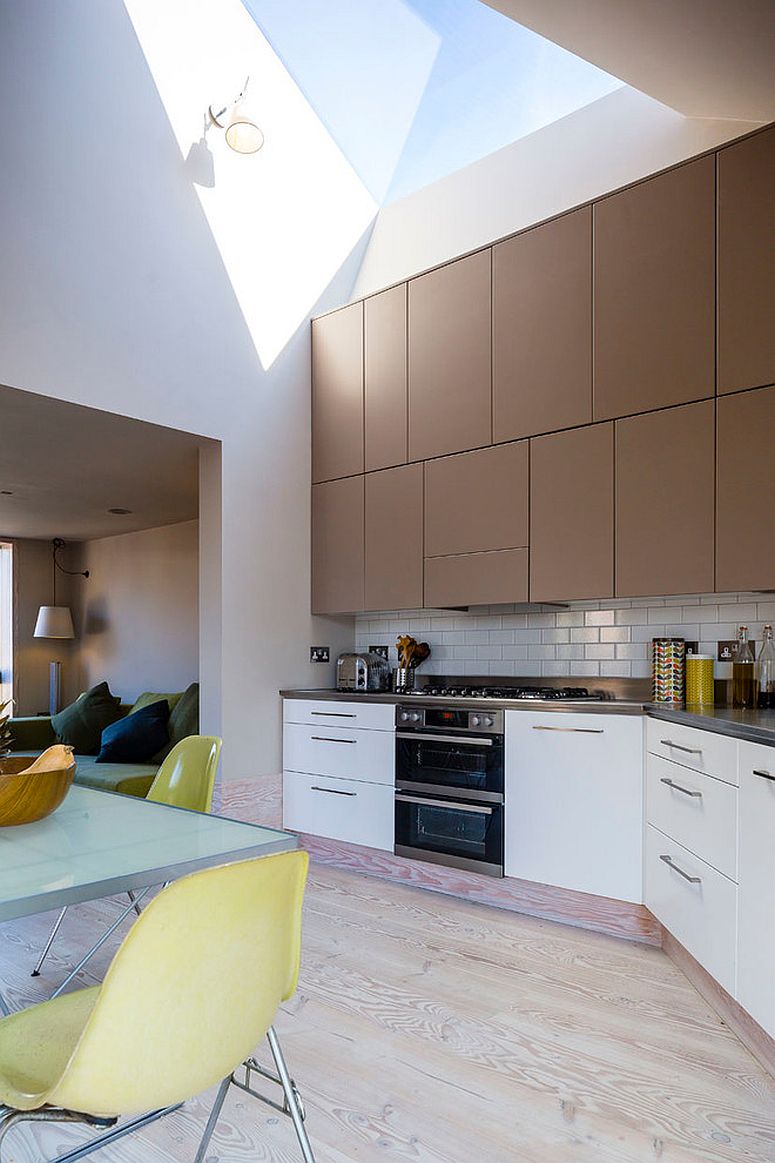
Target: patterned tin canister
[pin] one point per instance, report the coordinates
(667, 670)
(699, 680)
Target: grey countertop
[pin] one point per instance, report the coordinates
(754, 726)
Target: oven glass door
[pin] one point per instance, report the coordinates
(469, 835)
(468, 762)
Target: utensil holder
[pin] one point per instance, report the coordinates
(404, 679)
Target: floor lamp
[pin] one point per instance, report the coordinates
(56, 622)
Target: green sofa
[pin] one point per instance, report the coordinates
(34, 734)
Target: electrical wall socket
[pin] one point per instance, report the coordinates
(727, 649)
(383, 650)
(319, 653)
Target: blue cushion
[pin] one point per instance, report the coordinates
(137, 737)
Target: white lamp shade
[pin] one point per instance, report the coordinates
(54, 622)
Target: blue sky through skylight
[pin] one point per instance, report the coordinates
(412, 90)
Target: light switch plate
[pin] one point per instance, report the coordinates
(319, 653)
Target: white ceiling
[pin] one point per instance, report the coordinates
(66, 465)
(703, 58)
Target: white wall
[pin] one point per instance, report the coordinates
(614, 141)
(114, 293)
(32, 588)
(137, 620)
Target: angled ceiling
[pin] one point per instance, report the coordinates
(703, 58)
(65, 466)
(412, 90)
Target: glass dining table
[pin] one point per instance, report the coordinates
(98, 844)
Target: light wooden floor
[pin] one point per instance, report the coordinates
(429, 1030)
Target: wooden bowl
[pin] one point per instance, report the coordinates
(26, 798)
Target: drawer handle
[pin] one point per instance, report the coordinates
(332, 791)
(686, 790)
(575, 730)
(326, 739)
(764, 774)
(680, 747)
(671, 864)
(334, 714)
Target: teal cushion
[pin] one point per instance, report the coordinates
(80, 725)
(138, 737)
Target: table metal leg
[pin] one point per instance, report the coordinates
(108, 932)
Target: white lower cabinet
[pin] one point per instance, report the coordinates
(574, 801)
(697, 810)
(695, 902)
(344, 752)
(756, 936)
(340, 809)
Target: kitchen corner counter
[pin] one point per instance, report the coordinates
(753, 726)
(603, 706)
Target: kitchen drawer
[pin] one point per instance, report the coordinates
(697, 810)
(336, 713)
(701, 915)
(341, 809)
(701, 750)
(341, 752)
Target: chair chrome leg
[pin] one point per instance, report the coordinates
(220, 1097)
(292, 1097)
(9, 1118)
(49, 943)
(135, 905)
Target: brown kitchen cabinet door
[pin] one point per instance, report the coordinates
(385, 326)
(450, 316)
(542, 328)
(477, 501)
(654, 295)
(746, 263)
(664, 502)
(476, 579)
(337, 546)
(572, 514)
(745, 482)
(337, 394)
(394, 549)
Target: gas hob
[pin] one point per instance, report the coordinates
(505, 693)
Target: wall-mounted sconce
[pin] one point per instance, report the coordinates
(242, 133)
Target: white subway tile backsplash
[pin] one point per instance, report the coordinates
(606, 637)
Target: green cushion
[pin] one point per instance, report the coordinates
(183, 721)
(148, 697)
(81, 724)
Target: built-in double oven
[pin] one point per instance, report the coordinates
(449, 787)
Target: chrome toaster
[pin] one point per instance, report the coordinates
(362, 672)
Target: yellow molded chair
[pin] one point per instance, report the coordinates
(185, 779)
(193, 988)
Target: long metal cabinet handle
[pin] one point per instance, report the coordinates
(332, 791)
(485, 742)
(671, 864)
(575, 730)
(680, 747)
(686, 790)
(764, 774)
(422, 802)
(334, 714)
(327, 739)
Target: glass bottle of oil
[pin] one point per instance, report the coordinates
(765, 667)
(744, 692)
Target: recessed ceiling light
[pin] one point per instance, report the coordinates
(120, 512)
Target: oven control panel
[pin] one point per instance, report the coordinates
(449, 719)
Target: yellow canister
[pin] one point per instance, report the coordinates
(699, 680)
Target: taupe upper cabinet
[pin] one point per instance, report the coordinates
(394, 549)
(745, 547)
(477, 501)
(664, 502)
(385, 379)
(746, 263)
(542, 328)
(572, 514)
(654, 300)
(337, 546)
(337, 394)
(450, 408)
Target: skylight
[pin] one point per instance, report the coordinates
(412, 90)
